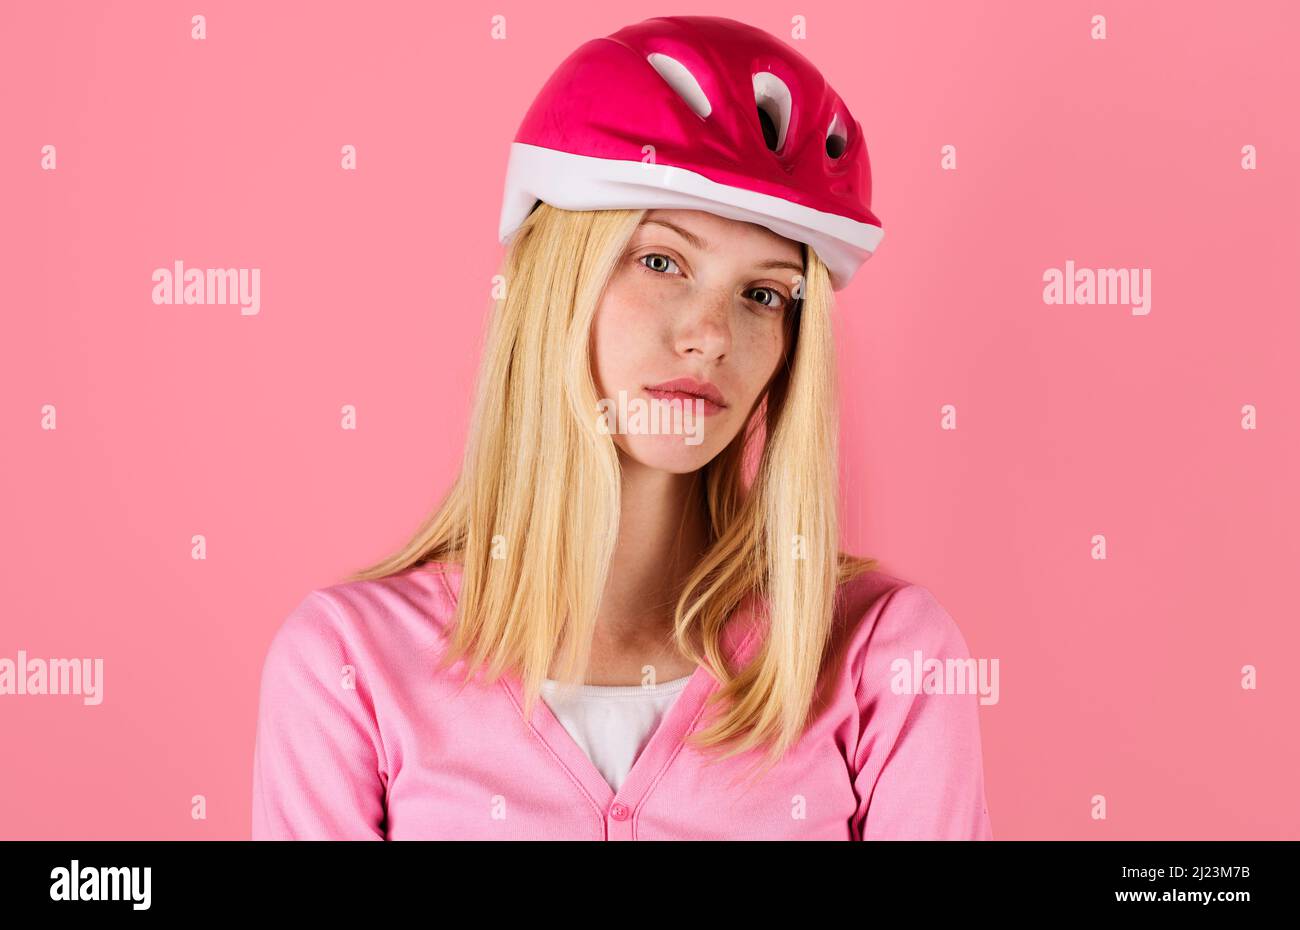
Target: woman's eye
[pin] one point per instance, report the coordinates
(769, 297)
(662, 263)
(658, 263)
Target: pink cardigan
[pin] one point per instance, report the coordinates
(357, 738)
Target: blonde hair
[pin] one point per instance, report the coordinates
(541, 478)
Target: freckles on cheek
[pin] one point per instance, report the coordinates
(629, 314)
(629, 302)
(617, 339)
(765, 349)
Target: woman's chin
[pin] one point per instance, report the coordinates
(675, 454)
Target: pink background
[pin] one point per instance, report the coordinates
(1118, 677)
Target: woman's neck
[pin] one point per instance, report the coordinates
(662, 534)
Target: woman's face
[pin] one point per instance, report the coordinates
(700, 300)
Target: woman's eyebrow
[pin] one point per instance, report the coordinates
(686, 234)
(703, 246)
(775, 263)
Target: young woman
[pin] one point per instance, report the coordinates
(629, 618)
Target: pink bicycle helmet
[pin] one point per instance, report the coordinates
(699, 113)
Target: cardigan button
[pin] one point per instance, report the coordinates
(618, 812)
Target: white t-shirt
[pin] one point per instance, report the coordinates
(612, 723)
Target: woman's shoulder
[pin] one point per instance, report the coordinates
(882, 617)
(408, 611)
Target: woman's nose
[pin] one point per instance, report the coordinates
(705, 326)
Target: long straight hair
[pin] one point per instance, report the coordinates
(533, 516)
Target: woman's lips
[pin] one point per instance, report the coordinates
(687, 399)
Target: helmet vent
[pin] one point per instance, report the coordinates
(774, 104)
(837, 139)
(680, 79)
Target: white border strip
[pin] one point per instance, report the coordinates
(581, 182)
